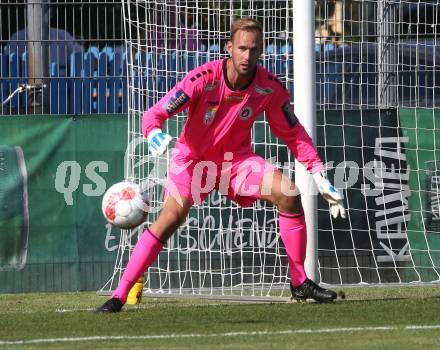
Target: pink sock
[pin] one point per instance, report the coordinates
(144, 254)
(294, 235)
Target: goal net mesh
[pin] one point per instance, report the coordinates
(377, 91)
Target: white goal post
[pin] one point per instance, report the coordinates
(377, 90)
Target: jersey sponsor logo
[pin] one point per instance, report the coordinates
(263, 91)
(212, 86)
(234, 98)
(210, 115)
(246, 113)
(289, 114)
(175, 102)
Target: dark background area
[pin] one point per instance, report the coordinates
(97, 22)
(100, 23)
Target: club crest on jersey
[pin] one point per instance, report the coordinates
(175, 102)
(246, 113)
(212, 86)
(263, 91)
(289, 114)
(210, 115)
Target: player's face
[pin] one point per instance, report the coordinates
(245, 49)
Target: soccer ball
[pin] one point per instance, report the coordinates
(125, 205)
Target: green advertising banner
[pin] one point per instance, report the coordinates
(423, 158)
(360, 149)
(53, 173)
(55, 169)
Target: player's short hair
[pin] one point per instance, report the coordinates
(247, 24)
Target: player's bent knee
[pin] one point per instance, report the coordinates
(289, 204)
(167, 223)
(173, 217)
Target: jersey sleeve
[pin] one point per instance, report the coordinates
(286, 126)
(176, 100)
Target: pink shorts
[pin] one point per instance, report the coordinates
(238, 177)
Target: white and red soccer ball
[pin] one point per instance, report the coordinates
(125, 205)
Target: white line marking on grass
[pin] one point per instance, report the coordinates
(415, 327)
(229, 334)
(73, 310)
(140, 307)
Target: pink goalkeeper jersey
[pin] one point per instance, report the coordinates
(220, 119)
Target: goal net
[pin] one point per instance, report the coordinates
(377, 90)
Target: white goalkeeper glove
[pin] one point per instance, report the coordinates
(330, 194)
(158, 141)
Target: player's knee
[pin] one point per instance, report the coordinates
(168, 222)
(289, 204)
(175, 210)
(174, 217)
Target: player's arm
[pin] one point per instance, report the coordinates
(176, 100)
(286, 126)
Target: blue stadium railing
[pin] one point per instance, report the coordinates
(95, 80)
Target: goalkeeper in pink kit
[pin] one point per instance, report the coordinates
(223, 98)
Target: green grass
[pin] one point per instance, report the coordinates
(174, 323)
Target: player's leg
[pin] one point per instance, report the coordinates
(291, 221)
(177, 204)
(282, 192)
(151, 242)
(147, 248)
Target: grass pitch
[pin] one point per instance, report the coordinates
(369, 318)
